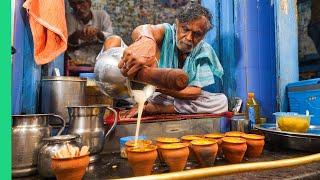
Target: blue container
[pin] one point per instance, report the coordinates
(87, 75)
(305, 95)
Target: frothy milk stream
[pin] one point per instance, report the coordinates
(141, 96)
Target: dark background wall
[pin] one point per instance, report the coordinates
(128, 14)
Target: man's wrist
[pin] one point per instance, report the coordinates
(145, 36)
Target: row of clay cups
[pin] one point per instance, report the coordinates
(235, 145)
(176, 154)
(202, 148)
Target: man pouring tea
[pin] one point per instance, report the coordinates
(182, 46)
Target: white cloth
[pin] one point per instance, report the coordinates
(212, 103)
(100, 20)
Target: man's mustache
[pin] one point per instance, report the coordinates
(186, 43)
(80, 12)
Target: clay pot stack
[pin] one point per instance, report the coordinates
(234, 134)
(70, 168)
(175, 155)
(140, 143)
(218, 137)
(205, 151)
(255, 144)
(234, 149)
(187, 139)
(162, 141)
(142, 158)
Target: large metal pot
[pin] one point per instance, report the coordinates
(27, 134)
(87, 122)
(51, 146)
(57, 92)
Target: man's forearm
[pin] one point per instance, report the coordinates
(189, 93)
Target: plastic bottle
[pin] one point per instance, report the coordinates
(252, 110)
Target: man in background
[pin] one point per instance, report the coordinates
(87, 30)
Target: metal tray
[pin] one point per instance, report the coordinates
(309, 141)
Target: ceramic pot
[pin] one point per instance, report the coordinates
(175, 155)
(205, 151)
(255, 144)
(140, 143)
(164, 140)
(187, 139)
(141, 159)
(234, 134)
(70, 168)
(218, 137)
(234, 149)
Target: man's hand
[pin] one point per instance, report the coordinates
(89, 33)
(136, 56)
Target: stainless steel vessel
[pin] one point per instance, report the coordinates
(27, 134)
(51, 146)
(240, 123)
(309, 141)
(109, 78)
(57, 92)
(87, 121)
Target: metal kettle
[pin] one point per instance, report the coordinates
(108, 76)
(87, 122)
(27, 134)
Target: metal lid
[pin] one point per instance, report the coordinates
(30, 115)
(63, 78)
(61, 138)
(89, 106)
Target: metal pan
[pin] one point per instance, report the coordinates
(309, 141)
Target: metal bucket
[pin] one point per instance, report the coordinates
(57, 92)
(240, 123)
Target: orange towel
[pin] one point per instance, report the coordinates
(48, 26)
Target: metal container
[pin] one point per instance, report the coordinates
(109, 78)
(309, 141)
(51, 146)
(57, 92)
(240, 123)
(87, 121)
(27, 134)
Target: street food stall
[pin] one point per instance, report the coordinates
(88, 121)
